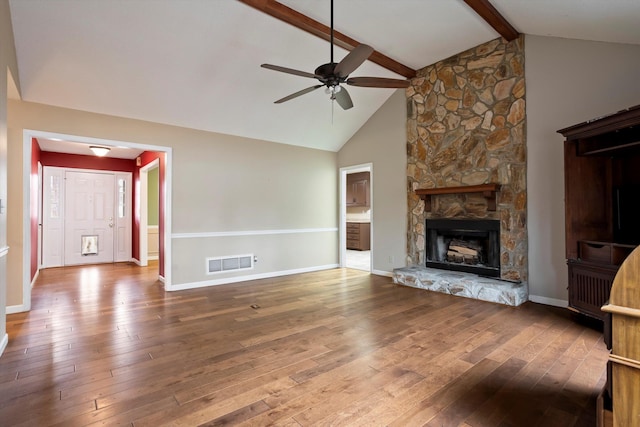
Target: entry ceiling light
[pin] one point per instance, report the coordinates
(99, 151)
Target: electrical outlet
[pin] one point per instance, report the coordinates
(391, 259)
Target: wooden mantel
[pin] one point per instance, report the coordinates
(488, 191)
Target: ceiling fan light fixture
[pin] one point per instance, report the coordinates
(99, 151)
(333, 89)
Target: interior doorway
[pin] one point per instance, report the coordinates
(149, 212)
(31, 236)
(356, 203)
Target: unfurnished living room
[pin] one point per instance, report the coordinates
(319, 212)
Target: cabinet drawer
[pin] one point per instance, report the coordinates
(353, 226)
(595, 252)
(353, 244)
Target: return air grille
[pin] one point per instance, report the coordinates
(229, 263)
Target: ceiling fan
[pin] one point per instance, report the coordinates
(332, 75)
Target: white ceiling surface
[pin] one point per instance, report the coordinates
(196, 63)
(70, 147)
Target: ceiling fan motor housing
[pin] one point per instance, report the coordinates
(328, 77)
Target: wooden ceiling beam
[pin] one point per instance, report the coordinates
(303, 22)
(493, 18)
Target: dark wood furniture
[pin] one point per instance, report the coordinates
(602, 183)
(359, 236)
(623, 339)
(358, 189)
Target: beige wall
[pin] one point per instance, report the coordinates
(382, 141)
(229, 184)
(568, 82)
(153, 195)
(221, 184)
(8, 71)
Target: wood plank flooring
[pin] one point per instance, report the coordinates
(105, 345)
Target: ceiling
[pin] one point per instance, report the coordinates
(196, 63)
(72, 147)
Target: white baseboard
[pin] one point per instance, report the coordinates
(229, 280)
(150, 258)
(3, 343)
(382, 273)
(161, 278)
(549, 301)
(35, 277)
(13, 309)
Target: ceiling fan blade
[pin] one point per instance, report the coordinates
(289, 71)
(297, 94)
(353, 60)
(343, 98)
(378, 82)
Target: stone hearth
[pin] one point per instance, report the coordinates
(462, 284)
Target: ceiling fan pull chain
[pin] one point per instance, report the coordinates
(332, 102)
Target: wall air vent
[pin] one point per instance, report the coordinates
(229, 263)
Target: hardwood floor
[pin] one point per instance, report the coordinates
(106, 345)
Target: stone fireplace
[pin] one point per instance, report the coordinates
(466, 130)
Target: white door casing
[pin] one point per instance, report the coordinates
(343, 172)
(39, 205)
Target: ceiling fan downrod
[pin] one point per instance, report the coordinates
(331, 44)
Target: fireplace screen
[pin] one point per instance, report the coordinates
(468, 245)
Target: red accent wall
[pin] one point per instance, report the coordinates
(33, 194)
(80, 161)
(146, 158)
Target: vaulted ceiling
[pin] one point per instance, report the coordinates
(196, 63)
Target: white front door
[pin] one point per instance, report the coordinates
(89, 218)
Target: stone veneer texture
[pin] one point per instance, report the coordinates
(466, 126)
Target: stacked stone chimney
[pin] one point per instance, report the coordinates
(466, 126)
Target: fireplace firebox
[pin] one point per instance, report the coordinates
(467, 245)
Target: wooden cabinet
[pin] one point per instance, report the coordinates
(589, 286)
(591, 275)
(359, 236)
(623, 338)
(358, 189)
(602, 204)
